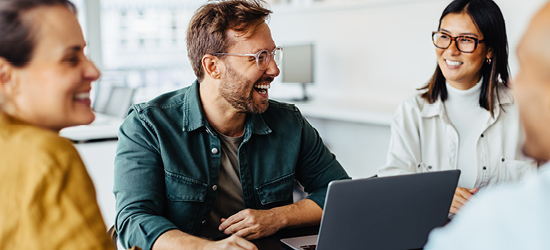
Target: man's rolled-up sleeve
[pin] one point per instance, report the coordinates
(317, 166)
(139, 185)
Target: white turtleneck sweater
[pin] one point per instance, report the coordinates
(468, 118)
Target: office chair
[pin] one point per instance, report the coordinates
(114, 236)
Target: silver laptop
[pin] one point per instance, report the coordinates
(395, 212)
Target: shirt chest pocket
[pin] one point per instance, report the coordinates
(179, 188)
(185, 196)
(276, 192)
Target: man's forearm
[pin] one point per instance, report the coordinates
(175, 239)
(303, 213)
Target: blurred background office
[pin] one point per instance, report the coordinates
(368, 56)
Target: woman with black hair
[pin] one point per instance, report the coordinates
(466, 118)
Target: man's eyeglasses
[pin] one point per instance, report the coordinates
(465, 44)
(262, 57)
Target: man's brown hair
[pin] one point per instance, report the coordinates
(207, 31)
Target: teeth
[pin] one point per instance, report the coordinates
(263, 86)
(82, 96)
(453, 63)
(262, 91)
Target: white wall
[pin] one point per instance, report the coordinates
(99, 158)
(360, 148)
(378, 50)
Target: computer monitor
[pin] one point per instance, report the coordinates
(297, 66)
(120, 100)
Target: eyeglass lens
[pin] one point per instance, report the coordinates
(264, 57)
(463, 44)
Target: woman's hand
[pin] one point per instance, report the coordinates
(462, 195)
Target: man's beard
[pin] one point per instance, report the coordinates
(235, 92)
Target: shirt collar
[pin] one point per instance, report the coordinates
(193, 115)
(433, 109)
(6, 119)
(505, 96)
(257, 124)
(194, 118)
(544, 168)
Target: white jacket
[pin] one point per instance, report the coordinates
(424, 140)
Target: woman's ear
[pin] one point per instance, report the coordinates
(5, 72)
(8, 86)
(490, 53)
(211, 66)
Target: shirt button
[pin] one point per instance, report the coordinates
(419, 165)
(484, 168)
(214, 150)
(503, 160)
(215, 187)
(481, 135)
(429, 167)
(203, 222)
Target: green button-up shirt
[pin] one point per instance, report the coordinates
(168, 162)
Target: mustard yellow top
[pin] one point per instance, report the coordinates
(47, 199)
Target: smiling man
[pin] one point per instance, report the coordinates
(219, 158)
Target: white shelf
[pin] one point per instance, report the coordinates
(103, 127)
(342, 112)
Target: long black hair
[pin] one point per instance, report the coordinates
(487, 16)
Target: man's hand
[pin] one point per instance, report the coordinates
(231, 243)
(462, 195)
(252, 224)
(176, 239)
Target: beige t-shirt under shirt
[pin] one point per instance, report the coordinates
(229, 199)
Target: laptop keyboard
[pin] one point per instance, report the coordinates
(308, 247)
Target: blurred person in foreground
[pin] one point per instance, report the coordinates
(48, 199)
(218, 158)
(466, 118)
(512, 217)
